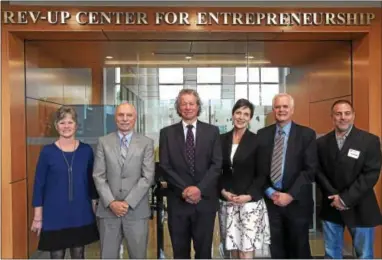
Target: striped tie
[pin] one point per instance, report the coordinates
(123, 150)
(277, 158)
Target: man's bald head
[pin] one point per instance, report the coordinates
(125, 117)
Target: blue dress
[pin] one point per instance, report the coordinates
(68, 218)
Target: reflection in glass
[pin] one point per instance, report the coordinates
(270, 75)
(169, 92)
(244, 74)
(117, 93)
(241, 74)
(117, 75)
(268, 91)
(241, 91)
(207, 92)
(254, 94)
(170, 75)
(208, 75)
(253, 74)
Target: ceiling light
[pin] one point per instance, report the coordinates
(197, 53)
(249, 57)
(188, 57)
(183, 61)
(109, 57)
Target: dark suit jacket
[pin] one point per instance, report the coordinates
(352, 178)
(208, 161)
(300, 163)
(240, 177)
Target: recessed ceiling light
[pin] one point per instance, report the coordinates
(249, 57)
(188, 57)
(109, 57)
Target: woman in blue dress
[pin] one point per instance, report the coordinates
(64, 194)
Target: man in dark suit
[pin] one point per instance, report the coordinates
(350, 163)
(190, 155)
(289, 158)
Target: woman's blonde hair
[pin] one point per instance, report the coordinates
(62, 112)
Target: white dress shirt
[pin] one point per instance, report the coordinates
(185, 129)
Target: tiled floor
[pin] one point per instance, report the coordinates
(92, 251)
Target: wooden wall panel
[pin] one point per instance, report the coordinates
(319, 114)
(17, 77)
(20, 228)
(33, 152)
(378, 188)
(329, 79)
(361, 82)
(36, 57)
(317, 84)
(32, 118)
(330, 76)
(6, 160)
(13, 148)
(48, 77)
(97, 86)
(299, 90)
(375, 105)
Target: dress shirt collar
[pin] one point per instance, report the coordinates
(286, 128)
(128, 136)
(345, 135)
(185, 124)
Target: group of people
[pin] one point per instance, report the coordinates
(260, 184)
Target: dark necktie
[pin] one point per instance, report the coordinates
(277, 158)
(190, 149)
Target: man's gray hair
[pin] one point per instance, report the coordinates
(291, 100)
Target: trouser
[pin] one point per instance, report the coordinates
(362, 238)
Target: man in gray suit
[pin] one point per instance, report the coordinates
(123, 173)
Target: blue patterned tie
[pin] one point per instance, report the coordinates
(190, 149)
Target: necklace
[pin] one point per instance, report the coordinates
(70, 169)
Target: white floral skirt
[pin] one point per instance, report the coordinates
(244, 227)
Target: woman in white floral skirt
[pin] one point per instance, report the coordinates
(243, 213)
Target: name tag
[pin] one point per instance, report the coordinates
(353, 153)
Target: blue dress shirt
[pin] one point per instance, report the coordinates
(128, 138)
(286, 130)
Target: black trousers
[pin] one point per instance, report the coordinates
(198, 226)
(289, 231)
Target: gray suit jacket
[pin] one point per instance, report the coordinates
(129, 182)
